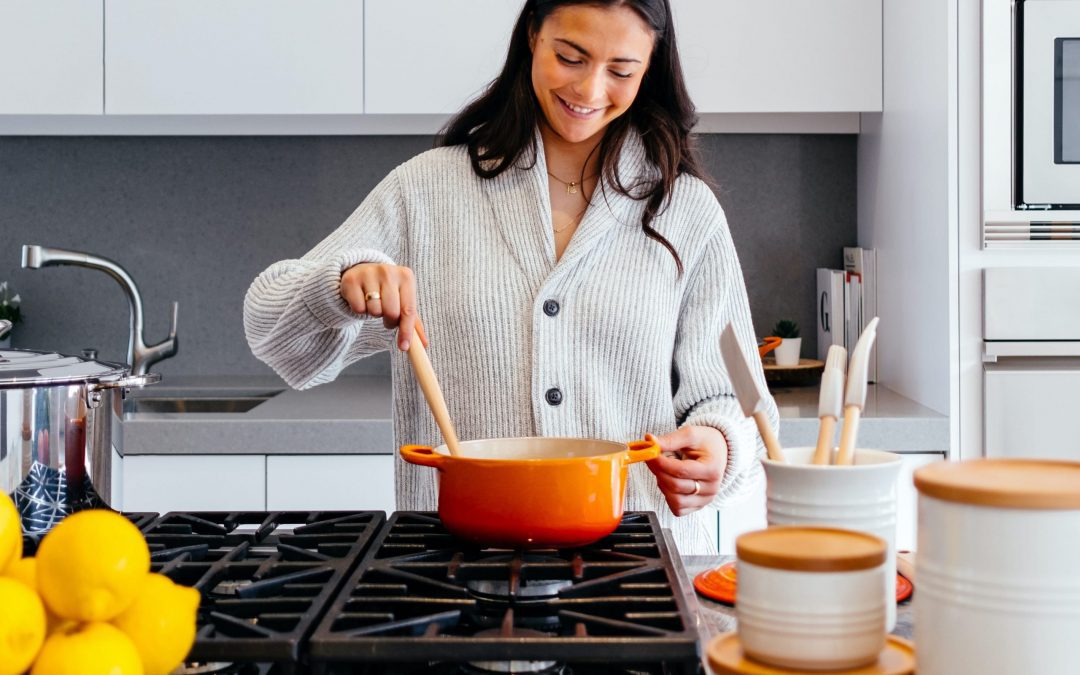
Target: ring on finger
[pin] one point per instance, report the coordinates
(372, 295)
(697, 487)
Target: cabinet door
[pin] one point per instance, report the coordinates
(433, 56)
(194, 483)
(234, 57)
(51, 56)
(780, 55)
(330, 482)
(1031, 410)
(907, 497)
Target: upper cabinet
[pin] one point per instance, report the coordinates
(234, 57)
(433, 56)
(51, 53)
(387, 66)
(752, 56)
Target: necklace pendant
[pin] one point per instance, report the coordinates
(571, 188)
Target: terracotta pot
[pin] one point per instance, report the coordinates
(532, 492)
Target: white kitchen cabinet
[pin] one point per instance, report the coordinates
(433, 56)
(330, 482)
(231, 57)
(51, 56)
(749, 514)
(194, 483)
(781, 56)
(1031, 409)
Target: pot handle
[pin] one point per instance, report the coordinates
(93, 391)
(642, 451)
(423, 455)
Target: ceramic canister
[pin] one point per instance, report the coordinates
(810, 597)
(998, 562)
(859, 497)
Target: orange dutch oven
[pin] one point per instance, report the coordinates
(532, 492)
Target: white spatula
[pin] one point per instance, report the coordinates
(831, 402)
(855, 395)
(748, 390)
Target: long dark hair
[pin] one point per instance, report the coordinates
(499, 126)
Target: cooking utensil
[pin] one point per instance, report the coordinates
(429, 384)
(855, 396)
(768, 344)
(831, 401)
(532, 492)
(748, 390)
(58, 415)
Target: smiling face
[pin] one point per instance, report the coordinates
(588, 63)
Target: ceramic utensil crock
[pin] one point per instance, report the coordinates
(998, 562)
(810, 597)
(859, 497)
(532, 492)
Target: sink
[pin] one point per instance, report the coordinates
(195, 404)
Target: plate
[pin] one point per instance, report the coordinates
(725, 656)
(719, 584)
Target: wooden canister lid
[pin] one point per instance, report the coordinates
(811, 549)
(1005, 483)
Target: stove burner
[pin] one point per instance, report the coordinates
(198, 668)
(513, 585)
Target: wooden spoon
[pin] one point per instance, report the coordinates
(425, 375)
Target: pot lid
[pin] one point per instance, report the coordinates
(810, 549)
(21, 368)
(1004, 483)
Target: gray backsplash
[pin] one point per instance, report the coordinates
(194, 219)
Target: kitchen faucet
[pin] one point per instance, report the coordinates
(139, 355)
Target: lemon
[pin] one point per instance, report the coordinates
(10, 532)
(91, 566)
(161, 623)
(88, 649)
(25, 570)
(22, 626)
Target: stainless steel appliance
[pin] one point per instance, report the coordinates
(1048, 109)
(59, 430)
(353, 592)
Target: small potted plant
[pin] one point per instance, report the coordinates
(787, 354)
(9, 310)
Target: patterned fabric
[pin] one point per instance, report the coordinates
(632, 349)
(43, 498)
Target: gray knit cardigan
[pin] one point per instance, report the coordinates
(631, 347)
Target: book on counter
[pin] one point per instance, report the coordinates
(860, 276)
(831, 318)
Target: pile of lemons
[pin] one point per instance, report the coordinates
(88, 603)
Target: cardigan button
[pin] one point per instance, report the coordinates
(551, 307)
(553, 396)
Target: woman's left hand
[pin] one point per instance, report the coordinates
(690, 467)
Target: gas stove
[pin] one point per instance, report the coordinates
(330, 593)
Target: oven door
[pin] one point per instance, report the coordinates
(1049, 69)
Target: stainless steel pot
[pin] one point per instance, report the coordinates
(59, 427)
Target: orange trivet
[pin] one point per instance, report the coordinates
(719, 584)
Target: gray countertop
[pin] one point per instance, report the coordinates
(352, 415)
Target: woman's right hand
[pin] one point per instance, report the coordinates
(388, 291)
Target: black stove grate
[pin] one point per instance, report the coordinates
(422, 596)
(265, 578)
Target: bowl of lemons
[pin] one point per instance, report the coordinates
(88, 601)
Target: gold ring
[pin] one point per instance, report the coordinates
(697, 488)
(371, 295)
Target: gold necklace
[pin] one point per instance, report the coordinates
(570, 222)
(571, 187)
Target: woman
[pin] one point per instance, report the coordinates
(572, 269)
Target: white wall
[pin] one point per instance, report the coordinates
(904, 183)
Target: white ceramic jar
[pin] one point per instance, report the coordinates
(810, 597)
(858, 497)
(998, 563)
